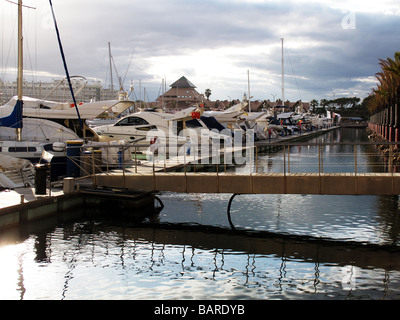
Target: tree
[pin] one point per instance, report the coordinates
(344, 102)
(208, 94)
(314, 104)
(324, 103)
(387, 92)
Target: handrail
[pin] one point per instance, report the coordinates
(125, 159)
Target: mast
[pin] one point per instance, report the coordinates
(20, 64)
(248, 85)
(111, 75)
(283, 81)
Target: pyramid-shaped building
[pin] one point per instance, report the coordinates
(182, 95)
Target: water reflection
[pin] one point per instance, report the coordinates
(344, 157)
(104, 259)
(188, 261)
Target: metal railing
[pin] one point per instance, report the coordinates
(263, 158)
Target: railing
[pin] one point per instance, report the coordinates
(286, 158)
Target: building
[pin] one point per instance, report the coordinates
(58, 90)
(182, 95)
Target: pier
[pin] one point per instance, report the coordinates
(188, 174)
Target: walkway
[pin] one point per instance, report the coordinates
(259, 183)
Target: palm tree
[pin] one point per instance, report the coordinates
(387, 93)
(208, 93)
(314, 104)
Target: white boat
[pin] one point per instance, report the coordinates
(39, 130)
(237, 118)
(40, 140)
(65, 113)
(53, 110)
(179, 127)
(228, 117)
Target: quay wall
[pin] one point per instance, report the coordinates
(69, 206)
(17, 215)
(386, 124)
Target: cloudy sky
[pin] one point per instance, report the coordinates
(331, 48)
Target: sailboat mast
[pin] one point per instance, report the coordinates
(283, 79)
(20, 51)
(248, 88)
(111, 74)
(20, 63)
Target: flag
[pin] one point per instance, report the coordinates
(47, 156)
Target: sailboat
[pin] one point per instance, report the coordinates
(31, 139)
(64, 113)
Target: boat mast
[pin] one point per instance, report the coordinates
(283, 81)
(20, 63)
(248, 85)
(111, 74)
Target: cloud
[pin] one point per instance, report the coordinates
(214, 43)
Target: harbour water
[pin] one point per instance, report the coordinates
(284, 247)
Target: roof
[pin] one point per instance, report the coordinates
(182, 83)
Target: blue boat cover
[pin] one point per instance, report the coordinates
(212, 123)
(14, 120)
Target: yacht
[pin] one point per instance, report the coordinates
(236, 118)
(177, 128)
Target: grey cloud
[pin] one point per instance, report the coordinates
(157, 28)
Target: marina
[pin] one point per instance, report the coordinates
(192, 199)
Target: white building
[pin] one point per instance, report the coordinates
(58, 90)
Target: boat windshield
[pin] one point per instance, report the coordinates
(131, 121)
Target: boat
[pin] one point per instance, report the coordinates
(38, 137)
(170, 129)
(228, 117)
(65, 113)
(53, 110)
(236, 118)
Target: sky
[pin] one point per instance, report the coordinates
(331, 48)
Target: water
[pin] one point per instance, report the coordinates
(284, 246)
